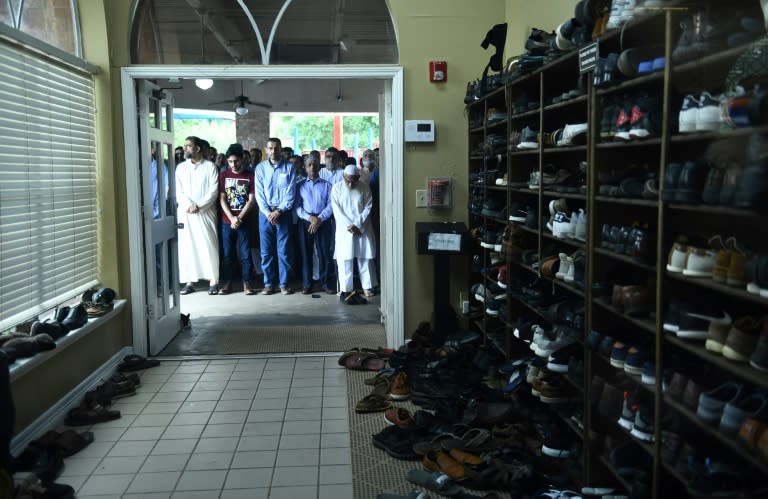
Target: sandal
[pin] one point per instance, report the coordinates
(362, 361)
(186, 290)
(135, 362)
(436, 482)
(84, 416)
(213, 290)
(474, 440)
(372, 403)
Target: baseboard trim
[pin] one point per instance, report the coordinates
(54, 416)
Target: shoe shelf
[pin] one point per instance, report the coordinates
(523, 190)
(564, 285)
(632, 143)
(540, 313)
(551, 150)
(570, 242)
(571, 424)
(706, 63)
(526, 267)
(579, 389)
(566, 195)
(476, 130)
(527, 152)
(609, 466)
(496, 124)
(582, 99)
(625, 259)
(715, 210)
(497, 219)
(532, 112)
(527, 229)
(725, 440)
(476, 157)
(743, 371)
(705, 282)
(722, 134)
(497, 188)
(646, 325)
(650, 203)
(640, 81)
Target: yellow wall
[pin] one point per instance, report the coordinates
(522, 17)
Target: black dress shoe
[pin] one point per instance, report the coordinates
(306, 291)
(77, 318)
(54, 329)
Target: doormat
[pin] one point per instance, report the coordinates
(291, 339)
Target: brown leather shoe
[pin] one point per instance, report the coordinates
(751, 431)
(635, 300)
(247, 289)
(329, 291)
(399, 390)
(398, 416)
(306, 291)
(691, 394)
(742, 339)
(286, 291)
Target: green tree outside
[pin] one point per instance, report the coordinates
(219, 133)
(320, 128)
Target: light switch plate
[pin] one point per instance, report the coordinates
(421, 198)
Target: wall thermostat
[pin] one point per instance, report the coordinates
(419, 130)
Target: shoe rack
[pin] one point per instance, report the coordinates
(666, 213)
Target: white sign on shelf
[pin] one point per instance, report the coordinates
(444, 242)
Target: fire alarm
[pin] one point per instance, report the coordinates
(438, 71)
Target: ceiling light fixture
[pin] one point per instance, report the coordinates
(241, 110)
(204, 83)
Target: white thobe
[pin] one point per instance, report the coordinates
(353, 207)
(198, 183)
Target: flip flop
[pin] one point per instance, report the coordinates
(135, 362)
(434, 481)
(186, 290)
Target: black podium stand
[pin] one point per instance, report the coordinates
(441, 240)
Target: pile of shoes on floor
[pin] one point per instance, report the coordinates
(34, 336)
(476, 430)
(36, 468)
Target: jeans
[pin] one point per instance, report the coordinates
(231, 241)
(275, 248)
(308, 242)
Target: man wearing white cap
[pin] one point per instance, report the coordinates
(352, 202)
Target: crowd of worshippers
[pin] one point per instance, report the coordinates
(286, 215)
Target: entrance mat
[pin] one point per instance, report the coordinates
(374, 471)
(290, 339)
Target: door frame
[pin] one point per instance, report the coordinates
(392, 298)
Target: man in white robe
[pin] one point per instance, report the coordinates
(351, 201)
(197, 193)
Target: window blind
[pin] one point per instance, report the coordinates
(48, 246)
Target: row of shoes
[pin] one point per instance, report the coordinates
(574, 226)
(631, 116)
(632, 409)
(727, 181)
(528, 139)
(552, 178)
(636, 241)
(743, 340)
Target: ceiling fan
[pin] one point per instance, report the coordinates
(242, 102)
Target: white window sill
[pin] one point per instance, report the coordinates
(24, 366)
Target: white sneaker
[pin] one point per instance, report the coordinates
(563, 268)
(615, 17)
(699, 262)
(678, 255)
(572, 131)
(689, 114)
(571, 275)
(561, 226)
(572, 227)
(709, 117)
(581, 227)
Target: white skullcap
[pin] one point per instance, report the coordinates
(351, 170)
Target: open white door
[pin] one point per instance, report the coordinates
(158, 169)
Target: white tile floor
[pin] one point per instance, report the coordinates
(236, 428)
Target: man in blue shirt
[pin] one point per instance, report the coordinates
(315, 229)
(275, 190)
